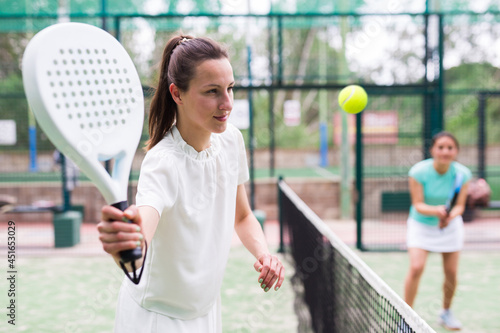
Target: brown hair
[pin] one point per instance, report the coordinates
(180, 59)
(444, 134)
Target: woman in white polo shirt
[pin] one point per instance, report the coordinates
(190, 198)
(431, 227)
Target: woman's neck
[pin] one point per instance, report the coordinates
(196, 139)
(441, 168)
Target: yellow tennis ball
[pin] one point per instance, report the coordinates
(353, 99)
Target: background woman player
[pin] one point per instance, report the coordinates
(430, 227)
(190, 196)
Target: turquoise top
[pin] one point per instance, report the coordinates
(436, 186)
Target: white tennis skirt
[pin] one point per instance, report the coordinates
(133, 318)
(434, 239)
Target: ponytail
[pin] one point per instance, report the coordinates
(163, 108)
(180, 58)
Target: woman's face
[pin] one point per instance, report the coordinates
(207, 103)
(444, 150)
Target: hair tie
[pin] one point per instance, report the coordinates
(183, 40)
(179, 43)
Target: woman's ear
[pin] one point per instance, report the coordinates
(176, 93)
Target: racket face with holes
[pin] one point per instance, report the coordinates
(86, 95)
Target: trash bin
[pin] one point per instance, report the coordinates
(261, 217)
(79, 208)
(67, 228)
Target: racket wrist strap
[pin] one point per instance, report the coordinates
(132, 276)
(122, 205)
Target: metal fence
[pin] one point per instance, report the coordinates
(423, 70)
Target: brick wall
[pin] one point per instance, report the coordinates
(321, 195)
(284, 158)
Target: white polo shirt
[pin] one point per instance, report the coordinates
(195, 195)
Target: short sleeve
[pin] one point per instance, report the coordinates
(157, 186)
(418, 172)
(467, 174)
(243, 174)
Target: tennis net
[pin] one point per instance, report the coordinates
(340, 292)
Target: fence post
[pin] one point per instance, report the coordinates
(359, 181)
(481, 142)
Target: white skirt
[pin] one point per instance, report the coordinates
(133, 318)
(434, 239)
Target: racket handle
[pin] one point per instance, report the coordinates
(133, 254)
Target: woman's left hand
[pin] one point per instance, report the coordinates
(271, 270)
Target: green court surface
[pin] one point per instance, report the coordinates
(476, 299)
(246, 308)
(78, 295)
(65, 294)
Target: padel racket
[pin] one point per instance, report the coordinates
(86, 95)
(453, 195)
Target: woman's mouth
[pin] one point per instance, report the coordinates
(222, 118)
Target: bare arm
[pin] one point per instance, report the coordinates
(251, 235)
(247, 227)
(459, 207)
(417, 200)
(116, 235)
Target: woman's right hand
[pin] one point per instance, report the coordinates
(441, 212)
(117, 235)
(442, 215)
